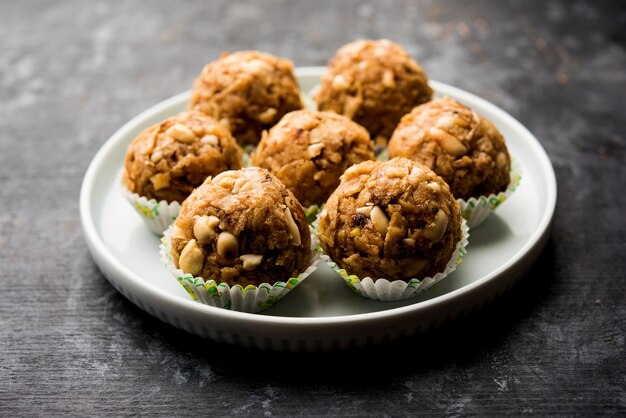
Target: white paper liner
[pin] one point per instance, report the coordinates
(251, 299)
(157, 216)
(477, 210)
(385, 290)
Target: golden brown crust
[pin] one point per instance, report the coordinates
(248, 90)
(159, 166)
(458, 144)
(308, 151)
(374, 83)
(395, 220)
(255, 207)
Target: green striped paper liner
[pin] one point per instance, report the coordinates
(476, 210)
(312, 212)
(251, 299)
(157, 216)
(384, 290)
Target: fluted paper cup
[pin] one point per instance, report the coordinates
(251, 299)
(386, 290)
(157, 216)
(476, 210)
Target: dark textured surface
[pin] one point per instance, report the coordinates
(72, 72)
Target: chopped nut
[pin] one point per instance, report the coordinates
(251, 261)
(210, 140)
(225, 122)
(409, 241)
(445, 122)
(268, 115)
(181, 133)
(191, 258)
(340, 83)
(388, 79)
(415, 266)
(319, 175)
(453, 146)
(416, 174)
(229, 274)
(160, 181)
(501, 160)
(355, 232)
(379, 220)
(315, 149)
(156, 156)
(204, 227)
(239, 183)
(335, 157)
(315, 136)
(150, 143)
(162, 165)
(449, 143)
(434, 186)
(352, 106)
(365, 210)
(227, 246)
(395, 172)
(226, 183)
(436, 229)
(255, 67)
(247, 187)
(178, 234)
(293, 228)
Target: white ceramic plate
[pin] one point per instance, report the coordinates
(321, 313)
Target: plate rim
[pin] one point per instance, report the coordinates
(101, 254)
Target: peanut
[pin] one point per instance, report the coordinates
(210, 140)
(181, 133)
(251, 261)
(315, 149)
(293, 228)
(204, 227)
(340, 83)
(436, 229)
(268, 115)
(191, 258)
(227, 246)
(379, 220)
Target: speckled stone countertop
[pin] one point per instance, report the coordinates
(72, 72)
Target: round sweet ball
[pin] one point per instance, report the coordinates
(242, 228)
(309, 151)
(458, 144)
(249, 90)
(170, 159)
(374, 83)
(395, 220)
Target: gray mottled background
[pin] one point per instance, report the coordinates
(72, 72)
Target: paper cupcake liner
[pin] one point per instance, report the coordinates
(246, 154)
(251, 299)
(312, 212)
(385, 290)
(157, 216)
(477, 210)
